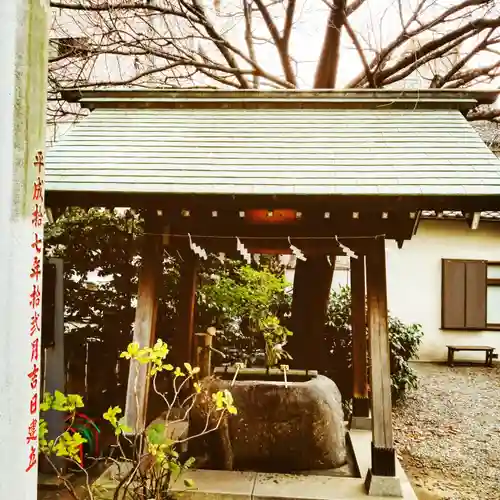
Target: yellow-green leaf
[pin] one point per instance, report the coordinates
(188, 483)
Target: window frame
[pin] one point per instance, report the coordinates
(488, 282)
(491, 282)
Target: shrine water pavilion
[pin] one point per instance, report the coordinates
(316, 169)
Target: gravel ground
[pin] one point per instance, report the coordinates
(447, 432)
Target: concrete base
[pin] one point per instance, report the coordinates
(383, 486)
(361, 442)
(361, 423)
(232, 485)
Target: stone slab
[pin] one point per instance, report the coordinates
(229, 485)
(232, 485)
(361, 423)
(215, 485)
(291, 487)
(360, 441)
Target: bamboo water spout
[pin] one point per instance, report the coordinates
(204, 351)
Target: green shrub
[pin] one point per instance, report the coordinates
(246, 304)
(404, 340)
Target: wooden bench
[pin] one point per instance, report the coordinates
(487, 349)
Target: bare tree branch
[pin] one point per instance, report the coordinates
(407, 34)
(326, 71)
(106, 7)
(354, 6)
(471, 28)
(359, 48)
(408, 69)
(287, 30)
(281, 43)
(460, 64)
(249, 39)
(190, 43)
(463, 78)
(219, 41)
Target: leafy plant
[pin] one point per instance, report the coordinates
(154, 463)
(67, 444)
(275, 336)
(404, 341)
(250, 299)
(242, 292)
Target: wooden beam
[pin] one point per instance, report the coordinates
(361, 402)
(341, 224)
(144, 329)
(311, 291)
(416, 221)
(272, 246)
(326, 203)
(476, 217)
(473, 220)
(182, 344)
(383, 456)
(311, 247)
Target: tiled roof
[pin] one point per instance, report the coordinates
(456, 214)
(273, 151)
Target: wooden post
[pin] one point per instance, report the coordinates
(144, 330)
(183, 350)
(311, 291)
(383, 455)
(361, 402)
(204, 351)
(53, 348)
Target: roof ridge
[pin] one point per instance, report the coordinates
(452, 98)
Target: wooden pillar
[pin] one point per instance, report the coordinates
(383, 455)
(311, 291)
(144, 330)
(54, 365)
(361, 401)
(203, 354)
(183, 343)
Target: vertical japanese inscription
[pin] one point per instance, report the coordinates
(35, 302)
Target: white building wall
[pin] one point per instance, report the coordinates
(414, 280)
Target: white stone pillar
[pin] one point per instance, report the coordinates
(23, 87)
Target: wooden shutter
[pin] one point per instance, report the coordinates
(453, 294)
(463, 294)
(475, 295)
